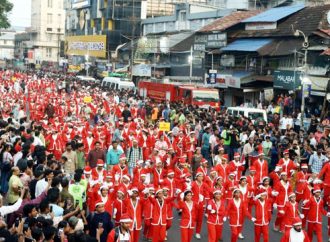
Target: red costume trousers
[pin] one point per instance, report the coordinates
(135, 235)
(214, 232)
(305, 213)
(147, 232)
(186, 234)
(235, 230)
(317, 228)
(168, 224)
(261, 230)
(158, 233)
(199, 218)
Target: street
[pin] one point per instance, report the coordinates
(248, 232)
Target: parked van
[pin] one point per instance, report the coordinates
(87, 79)
(252, 113)
(117, 83)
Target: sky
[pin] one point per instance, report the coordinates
(21, 13)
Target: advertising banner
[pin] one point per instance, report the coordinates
(91, 45)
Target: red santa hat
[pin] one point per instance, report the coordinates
(292, 195)
(296, 221)
(316, 189)
(219, 178)
(217, 191)
(126, 177)
(283, 173)
(203, 161)
(98, 203)
(242, 178)
(213, 170)
(182, 160)
(221, 148)
(134, 189)
(109, 174)
(304, 166)
(88, 170)
(121, 191)
(252, 168)
(104, 187)
(122, 157)
(139, 162)
(237, 155)
(286, 152)
(170, 172)
(159, 190)
(125, 218)
(231, 174)
(166, 188)
(225, 156)
(199, 174)
(261, 192)
(261, 153)
(265, 178)
(236, 190)
(278, 168)
(143, 174)
(151, 187)
(100, 162)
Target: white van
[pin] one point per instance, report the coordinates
(116, 83)
(87, 79)
(252, 113)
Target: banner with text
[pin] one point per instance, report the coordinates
(91, 45)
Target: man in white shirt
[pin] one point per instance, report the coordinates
(42, 184)
(4, 210)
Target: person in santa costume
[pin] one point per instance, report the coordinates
(296, 233)
(236, 166)
(106, 197)
(236, 212)
(289, 212)
(134, 207)
(223, 168)
(188, 219)
(262, 216)
(121, 169)
(148, 212)
(275, 175)
(287, 164)
(170, 182)
(215, 213)
(118, 207)
(247, 196)
(55, 144)
(301, 181)
(314, 217)
(98, 172)
(122, 232)
(324, 175)
(201, 193)
(281, 191)
(159, 214)
(252, 178)
(230, 186)
(261, 166)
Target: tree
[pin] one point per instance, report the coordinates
(5, 8)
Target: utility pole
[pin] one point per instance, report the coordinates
(132, 39)
(191, 63)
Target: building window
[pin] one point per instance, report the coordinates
(49, 18)
(49, 37)
(5, 42)
(49, 52)
(50, 3)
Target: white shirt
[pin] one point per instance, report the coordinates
(296, 236)
(37, 141)
(4, 210)
(17, 157)
(41, 187)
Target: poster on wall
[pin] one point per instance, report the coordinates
(76, 4)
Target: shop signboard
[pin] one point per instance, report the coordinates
(87, 45)
(76, 4)
(287, 80)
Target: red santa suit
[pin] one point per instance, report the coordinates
(223, 170)
(89, 143)
(325, 176)
(229, 186)
(261, 169)
(134, 210)
(262, 218)
(301, 183)
(314, 217)
(158, 221)
(119, 208)
(55, 145)
(215, 213)
(290, 211)
(293, 236)
(188, 219)
(237, 167)
(99, 175)
(281, 191)
(236, 212)
(288, 165)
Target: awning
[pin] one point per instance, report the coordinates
(247, 45)
(280, 47)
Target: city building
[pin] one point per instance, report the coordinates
(47, 31)
(7, 46)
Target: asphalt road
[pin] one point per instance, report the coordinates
(248, 232)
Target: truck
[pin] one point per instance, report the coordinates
(175, 92)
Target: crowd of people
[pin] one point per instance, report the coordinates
(79, 163)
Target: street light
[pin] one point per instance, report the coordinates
(305, 80)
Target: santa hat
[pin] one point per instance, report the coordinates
(159, 190)
(134, 189)
(104, 187)
(213, 170)
(218, 178)
(236, 190)
(265, 178)
(296, 221)
(316, 188)
(139, 162)
(204, 161)
(151, 187)
(143, 173)
(217, 191)
(199, 174)
(126, 177)
(286, 152)
(166, 188)
(170, 172)
(237, 155)
(100, 162)
(99, 202)
(231, 174)
(109, 174)
(88, 170)
(291, 194)
(304, 166)
(261, 154)
(278, 168)
(121, 191)
(225, 156)
(186, 175)
(125, 218)
(262, 191)
(182, 160)
(242, 178)
(158, 160)
(122, 157)
(221, 148)
(283, 173)
(252, 168)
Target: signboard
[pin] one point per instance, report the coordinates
(220, 81)
(205, 41)
(212, 78)
(164, 126)
(287, 80)
(141, 70)
(260, 26)
(87, 99)
(76, 4)
(91, 45)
